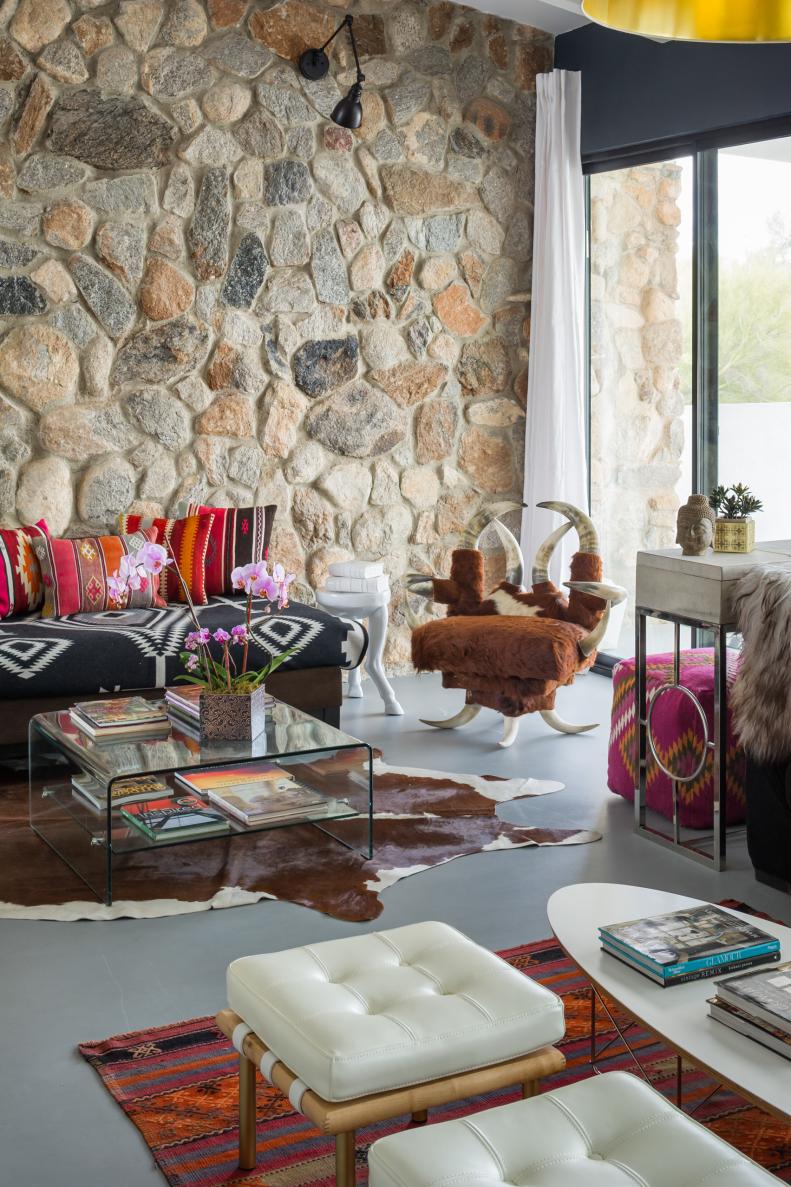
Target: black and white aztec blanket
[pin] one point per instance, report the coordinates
(121, 649)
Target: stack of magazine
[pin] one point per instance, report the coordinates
(259, 793)
(131, 790)
(175, 819)
(757, 1005)
(120, 718)
(183, 707)
(689, 945)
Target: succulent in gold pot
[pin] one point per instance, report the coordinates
(734, 528)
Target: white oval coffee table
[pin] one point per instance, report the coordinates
(679, 1015)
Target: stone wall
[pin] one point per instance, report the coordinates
(636, 347)
(208, 290)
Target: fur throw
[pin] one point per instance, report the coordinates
(761, 698)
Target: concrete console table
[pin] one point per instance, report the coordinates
(695, 591)
(372, 606)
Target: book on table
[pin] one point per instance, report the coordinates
(765, 995)
(773, 1037)
(257, 793)
(121, 717)
(183, 704)
(176, 818)
(130, 790)
(690, 944)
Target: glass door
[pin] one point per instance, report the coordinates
(641, 359)
(754, 363)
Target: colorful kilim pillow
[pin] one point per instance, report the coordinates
(240, 536)
(74, 573)
(21, 589)
(188, 541)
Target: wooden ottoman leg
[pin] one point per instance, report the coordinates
(247, 1151)
(529, 1088)
(345, 1164)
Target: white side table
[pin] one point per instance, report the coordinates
(372, 606)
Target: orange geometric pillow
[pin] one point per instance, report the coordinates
(185, 539)
(20, 573)
(74, 573)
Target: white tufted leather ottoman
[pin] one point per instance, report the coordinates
(364, 1029)
(609, 1131)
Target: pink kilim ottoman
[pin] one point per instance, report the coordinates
(678, 736)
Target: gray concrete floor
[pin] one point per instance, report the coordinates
(62, 983)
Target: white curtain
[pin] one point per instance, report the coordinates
(555, 463)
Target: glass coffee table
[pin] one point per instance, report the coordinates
(92, 840)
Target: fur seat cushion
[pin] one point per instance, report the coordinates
(511, 664)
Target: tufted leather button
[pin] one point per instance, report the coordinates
(597, 1157)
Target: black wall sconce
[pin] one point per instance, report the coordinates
(314, 64)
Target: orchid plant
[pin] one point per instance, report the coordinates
(223, 673)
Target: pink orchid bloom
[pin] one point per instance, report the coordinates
(221, 636)
(153, 558)
(264, 587)
(247, 577)
(129, 574)
(116, 590)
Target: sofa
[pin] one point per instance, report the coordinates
(48, 663)
(769, 821)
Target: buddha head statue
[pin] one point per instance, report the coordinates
(695, 526)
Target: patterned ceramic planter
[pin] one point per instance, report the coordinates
(734, 535)
(232, 717)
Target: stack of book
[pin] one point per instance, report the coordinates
(357, 577)
(689, 945)
(757, 1005)
(132, 790)
(258, 794)
(176, 819)
(183, 707)
(120, 718)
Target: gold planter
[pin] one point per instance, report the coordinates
(734, 535)
(232, 717)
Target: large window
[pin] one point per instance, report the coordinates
(754, 357)
(690, 345)
(640, 368)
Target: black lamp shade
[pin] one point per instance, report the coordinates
(349, 111)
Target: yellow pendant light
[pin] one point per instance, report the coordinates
(696, 20)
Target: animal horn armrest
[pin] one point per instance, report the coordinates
(611, 595)
(420, 583)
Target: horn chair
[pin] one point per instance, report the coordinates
(512, 649)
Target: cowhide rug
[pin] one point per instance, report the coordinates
(423, 819)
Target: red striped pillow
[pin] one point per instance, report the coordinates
(21, 588)
(74, 573)
(185, 539)
(239, 536)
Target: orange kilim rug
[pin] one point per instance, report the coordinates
(178, 1085)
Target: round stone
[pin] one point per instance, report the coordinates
(106, 490)
(68, 224)
(165, 292)
(38, 365)
(44, 492)
(226, 102)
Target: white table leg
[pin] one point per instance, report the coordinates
(377, 634)
(355, 687)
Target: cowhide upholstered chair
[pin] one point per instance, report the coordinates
(511, 649)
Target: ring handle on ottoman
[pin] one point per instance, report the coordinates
(663, 688)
